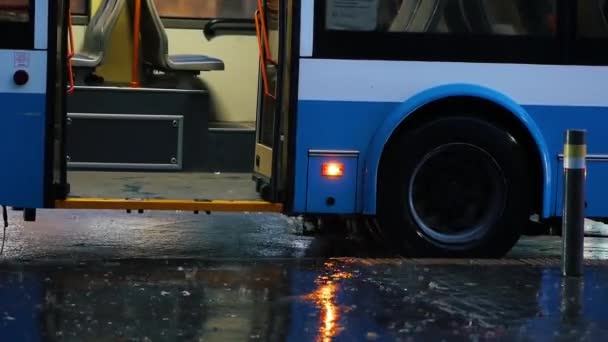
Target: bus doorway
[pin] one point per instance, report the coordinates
(155, 142)
(276, 88)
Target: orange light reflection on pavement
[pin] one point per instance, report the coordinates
(325, 298)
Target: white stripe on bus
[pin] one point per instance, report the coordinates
(41, 24)
(395, 81)
(34, 62)
(307, 13)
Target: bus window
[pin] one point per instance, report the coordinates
(499, 17)
(352, 15)
(208, 9)
(592, 18)
(591, 30)
(14, 11)
(16, 24)
(451, 16)
(79, 7)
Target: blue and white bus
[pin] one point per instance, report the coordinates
(440, 120)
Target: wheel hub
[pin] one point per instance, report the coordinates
(457, 192)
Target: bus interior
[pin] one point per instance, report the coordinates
(185, 108)
(175, 114)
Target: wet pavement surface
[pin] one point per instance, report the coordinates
(95, 276)
(279, 300)
(95, 235)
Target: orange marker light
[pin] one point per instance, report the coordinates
(332, 170)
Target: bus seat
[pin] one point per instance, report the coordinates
(98, 34)
(155, 47)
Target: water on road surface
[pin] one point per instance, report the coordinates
(110, 276)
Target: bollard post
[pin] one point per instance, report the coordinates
(573, 226)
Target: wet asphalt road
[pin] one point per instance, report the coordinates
(94, 276)
(94, 235)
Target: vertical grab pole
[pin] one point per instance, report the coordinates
(575, 153)
(136, 33)
(71, 53)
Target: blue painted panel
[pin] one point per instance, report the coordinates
(326, 125)
(343, 190)
(22, 154)
(553, 122)
(595, 191)
(354, 125)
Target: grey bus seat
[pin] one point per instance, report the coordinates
(98, 34)
(155, 47)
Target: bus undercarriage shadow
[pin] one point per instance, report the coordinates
(340, 237)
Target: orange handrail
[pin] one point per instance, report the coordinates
(262, 58)
(136, 41)
(71, 53)
(262, 15)
(263, 47)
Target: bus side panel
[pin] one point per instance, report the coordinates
(554, 121)
(360, 114)
(334, 125)
(350, 126)
(356, 104)
(23, 123)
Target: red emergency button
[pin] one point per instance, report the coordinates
(21, 77)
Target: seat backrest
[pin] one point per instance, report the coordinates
(90, 43)
(100, 29)
(101, 12)
(154, 40)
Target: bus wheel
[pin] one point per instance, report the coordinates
(454, 187)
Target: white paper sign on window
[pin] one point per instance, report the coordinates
(356, 15)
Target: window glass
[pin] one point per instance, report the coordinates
(16, 11)
(592, 18)
(79, 7)
(498, 17)
(206, 9)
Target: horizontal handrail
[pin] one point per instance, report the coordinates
(232, 25)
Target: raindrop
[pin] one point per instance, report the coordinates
(372, 336)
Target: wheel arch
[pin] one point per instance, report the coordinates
(426, 106)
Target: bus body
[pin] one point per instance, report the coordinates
(441, 120)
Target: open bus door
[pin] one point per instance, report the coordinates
(32, 92)
(35, 127)
(274, 28)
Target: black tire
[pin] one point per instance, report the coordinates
(425, 174)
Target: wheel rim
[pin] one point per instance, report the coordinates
(456, 194)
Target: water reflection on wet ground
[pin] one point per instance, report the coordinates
(91, 276)
(117, 235)
(305, 300)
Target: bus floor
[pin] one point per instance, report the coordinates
(162, 185)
